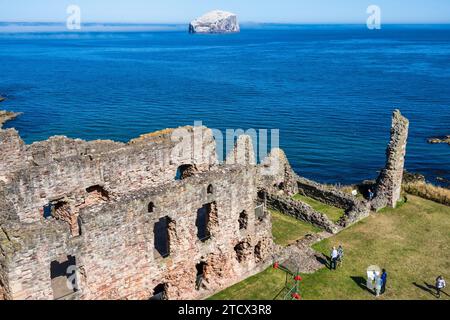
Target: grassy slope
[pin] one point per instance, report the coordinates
(333, 213)
(411, 242)
(287, 230)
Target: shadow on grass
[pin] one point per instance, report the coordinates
(361, 282)
(427, 288)
(323, 260)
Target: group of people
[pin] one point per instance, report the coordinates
(380, 282)
(377, 280)
(336, 257)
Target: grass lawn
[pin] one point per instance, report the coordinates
(412, 242)
(286, 229)
(333, 213)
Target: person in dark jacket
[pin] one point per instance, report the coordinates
(340, 257)
(384, 279)
(333, 258)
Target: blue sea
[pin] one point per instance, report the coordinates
(330, 90)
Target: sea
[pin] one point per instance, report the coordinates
(330, 90)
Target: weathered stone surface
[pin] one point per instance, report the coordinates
(243, 152)
(301, 211)
(215, 22)
(355, 209)
(109, 199)
(102, 217)
(300, 257)
(276, 174)
(389, 182)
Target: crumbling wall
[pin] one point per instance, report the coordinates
(355, 209)
(32, 249)
(4, 252)
(115, 254)
(263, 249)
(325, 194)
(243, 152)
(244, 250)
(219, 266)
(104, 190)
(6, 244)
(276, 175)
(389, 182)
(12, 152)
(63, 167)
(61, 147)
(301, 211)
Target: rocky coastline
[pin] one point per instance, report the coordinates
(7, 116)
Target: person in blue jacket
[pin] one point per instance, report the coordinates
(384, 279)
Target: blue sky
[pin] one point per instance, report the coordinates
(182, 11)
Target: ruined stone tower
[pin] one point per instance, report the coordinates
(389, 182)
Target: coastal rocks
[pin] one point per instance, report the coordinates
(215, 22)
(409, 177)
(389, 182)
(436, 140)
(6, 116)
(443, 180)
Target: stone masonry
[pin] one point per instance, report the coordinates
(138, 220)
(157, 217)
(389, 182)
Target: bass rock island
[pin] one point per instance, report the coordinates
(215, 22)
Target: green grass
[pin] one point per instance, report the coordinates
(263, 286)
(286, 229)
(412, 242)
(333, 213)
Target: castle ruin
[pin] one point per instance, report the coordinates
(147, 220)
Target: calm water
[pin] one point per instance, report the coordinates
(329, 89)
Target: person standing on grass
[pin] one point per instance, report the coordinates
(340, 257)
(334, 256)
(378, 285)
(440, 285)
(384, 279)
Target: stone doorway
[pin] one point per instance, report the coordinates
(63, 277)
(200, 267)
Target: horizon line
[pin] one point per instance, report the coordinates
(242, 22)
